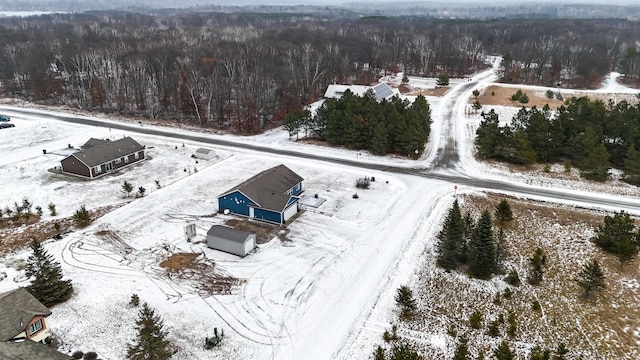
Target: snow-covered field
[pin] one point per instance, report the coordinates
(325, 293)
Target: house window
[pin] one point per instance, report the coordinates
(117, 161)
(35, 327)
(126, 159)
(136, 156)
(97, 169)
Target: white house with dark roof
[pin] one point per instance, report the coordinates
(100, 157)
(381, 91)
(231, 240)
(270, 196)
(22, 316)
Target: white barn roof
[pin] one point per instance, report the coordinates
(381, 91)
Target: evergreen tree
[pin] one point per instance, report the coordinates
(151, 339)
(404, 351)
(561, 351)
(462, 351)
(489, 135)
(503, 352)
(380, 139)
(536, 271)
(617, 235)
(82, 217)
(378, 354)
(632, 166)
(591, 278)
(127, 188)
(503, 212)
(404, 299)
(450, 239)
(482, 250)
(538, 354)
(596, 165)
(47, 285)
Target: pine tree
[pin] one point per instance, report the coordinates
(82, 217)
(404, 351)
(536, 271)
(503, 352)
(482, 250)
(591, 278)
(378, 354)
(127, 188)
(450, 239)
(151, 339)
(538, 354)
(618, 235)
(462, 351)
(596, 165)
(632, 166)
(47, 285)
(404, 299)
(503, 212)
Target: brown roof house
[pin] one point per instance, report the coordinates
(22, 316)
(29, 350)
(100, 157)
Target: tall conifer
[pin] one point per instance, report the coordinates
(47, 285)
(482, 250)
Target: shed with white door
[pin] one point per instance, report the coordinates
(230, 240)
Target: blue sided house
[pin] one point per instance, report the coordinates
(271, 196)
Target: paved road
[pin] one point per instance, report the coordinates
(442, 168)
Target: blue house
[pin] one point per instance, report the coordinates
(271, 196)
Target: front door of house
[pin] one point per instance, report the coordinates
(109, 166)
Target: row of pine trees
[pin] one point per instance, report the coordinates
(362, 123)
(587, 134)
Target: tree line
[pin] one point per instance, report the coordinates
(244, 72)
(363, 123)
(588, 134)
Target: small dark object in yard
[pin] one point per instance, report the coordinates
(355, 196)
(373, 178)
(193, 156)
(185, 169)
(176, 147)
(315, 196)
(196, 161)
(44, 151)
(215, 339)
(387, 181)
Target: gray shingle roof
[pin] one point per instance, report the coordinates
(228, 233)
(101, 151)
(268, 188)
(382, 91)
(17, 308)
(29, 350)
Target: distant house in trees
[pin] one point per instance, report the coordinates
(271, 196)
(22, 316)
(231, 240)
(381, 91)
(100, 157)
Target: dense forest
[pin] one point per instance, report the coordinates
(591, 135)
(244, 72)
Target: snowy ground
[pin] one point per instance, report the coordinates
(325, 294)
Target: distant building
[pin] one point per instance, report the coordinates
(205, 154)
(271, 196)
(100, 157)
(231, 240)
(381, 91)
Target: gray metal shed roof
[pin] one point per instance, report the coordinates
(229, 233)
(102, 151)
(268, 188)
(17, 308)
(29, 350)
(203, 150)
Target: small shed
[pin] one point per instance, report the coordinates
(205, 154)
(230, 240)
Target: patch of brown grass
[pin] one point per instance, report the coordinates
(439, 91)
(498, 95)
(180, 261)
